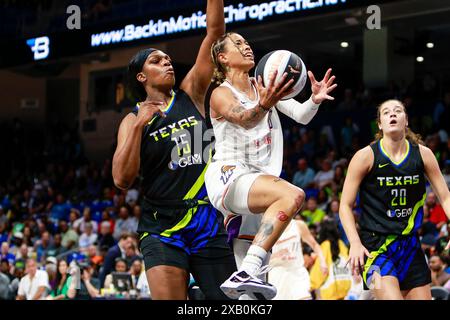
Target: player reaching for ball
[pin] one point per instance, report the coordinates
(243, 177)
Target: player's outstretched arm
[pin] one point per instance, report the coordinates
(359, 166)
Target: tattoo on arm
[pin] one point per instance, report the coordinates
(247, 118)
(265, 231)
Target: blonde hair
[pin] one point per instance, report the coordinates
(409, 134)
(219, 69)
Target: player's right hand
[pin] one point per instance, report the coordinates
(274, 92)
(356, 257)
(147, 109)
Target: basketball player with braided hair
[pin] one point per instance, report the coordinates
(180, 232)
(243, 179)
(390, 175)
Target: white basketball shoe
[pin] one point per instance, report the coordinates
(241, 282)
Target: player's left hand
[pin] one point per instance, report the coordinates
(320, 90)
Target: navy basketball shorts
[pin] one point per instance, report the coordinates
(398, 256)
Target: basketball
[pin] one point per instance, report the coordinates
(283, 61)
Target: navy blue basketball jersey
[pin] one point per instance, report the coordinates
(392, 194)
(175, 152)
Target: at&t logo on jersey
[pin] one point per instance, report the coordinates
(227, 172)
(40, 46)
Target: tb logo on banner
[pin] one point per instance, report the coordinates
(40, 46)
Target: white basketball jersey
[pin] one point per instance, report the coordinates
(287, 251)
(260, 147)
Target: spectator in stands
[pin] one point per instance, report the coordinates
(34, 285)
(131, 253)
(439, 276)
(120, 265)
(18, 274)
(65, 287)
(73, 217)
(16, 241)
(88, 237)
(304, 176)
(312, 214)
(322, 200)
(5, 254)
(337, 283)
(125, 241)
(56, 248)
(106, 216)
(60, 210)
(51, 269)
(94, 256)
(89, 286)
(80, 224)
(135, 218)
(69, 236)
(325, 176)
(333, 213)
(43, 246)
(338, 180)
(105, 237)
(28, 237)
(437, 213)
(136, 270)
(428, 231)
(443, 240)
(24, 252)
(5, 267)
(124, 223)
(4, 286)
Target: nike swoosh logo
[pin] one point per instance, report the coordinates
(383, 165)
(154, 214)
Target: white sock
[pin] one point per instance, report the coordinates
(253, 260)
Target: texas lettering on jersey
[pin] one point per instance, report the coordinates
(167, 131)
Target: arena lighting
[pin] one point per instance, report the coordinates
(197, 20)
(420, 59)
(344, 44)
(430, 45)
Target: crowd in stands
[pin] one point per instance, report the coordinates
(66, 232)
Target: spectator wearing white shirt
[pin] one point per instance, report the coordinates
(136, 270)
(34, 285)
(89, 237)
(80, 224)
